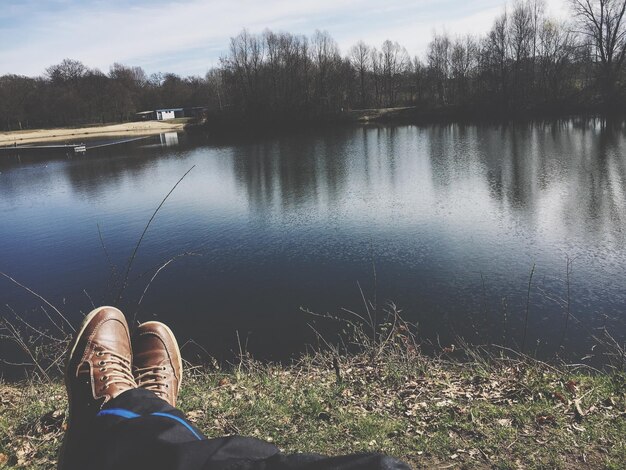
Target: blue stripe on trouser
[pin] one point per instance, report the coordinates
(122, 413)
(181, 421)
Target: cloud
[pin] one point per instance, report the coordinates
(188, 37)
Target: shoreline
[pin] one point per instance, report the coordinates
(228, 125)
(109, 130)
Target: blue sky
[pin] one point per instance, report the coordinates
(188, 36)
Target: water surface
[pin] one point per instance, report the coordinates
(446, 221)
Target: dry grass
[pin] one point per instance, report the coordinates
(461, 410)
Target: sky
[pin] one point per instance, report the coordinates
(188, 37)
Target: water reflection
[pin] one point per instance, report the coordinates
(548, 175)
(452, 218)
(169, 139)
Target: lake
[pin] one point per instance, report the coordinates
(445, 221)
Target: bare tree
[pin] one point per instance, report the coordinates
(67, 70)
(15, 92)
(463, 60)
(395, 59)
(439, 51)
(524, 62)
(556, 45)
(522, 38)
(377, 74)
(325, 55)
(215, 84)
(419, 78)
(246, 56)
(497, 56)
(521, 32)
(602, 21)
(360, 58)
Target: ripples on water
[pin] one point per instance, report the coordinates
(452, 217)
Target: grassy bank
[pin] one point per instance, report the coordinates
(457, 411)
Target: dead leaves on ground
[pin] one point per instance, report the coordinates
(28, 441)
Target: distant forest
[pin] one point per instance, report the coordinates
(527, 64)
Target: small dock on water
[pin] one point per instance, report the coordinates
(66, 148)
(60, 149)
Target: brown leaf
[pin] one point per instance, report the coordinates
(559, 396)
(4, 459)
(571, 385)
(545, 419)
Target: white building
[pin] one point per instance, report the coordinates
(163, 114)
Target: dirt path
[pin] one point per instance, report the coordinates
(53, 135)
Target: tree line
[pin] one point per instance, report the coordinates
(526, 63)
(70, 93)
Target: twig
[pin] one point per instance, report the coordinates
(530, 279)
(17, 338)
(525, 356)
(28, 325)
(56, 361)
(320, 337)
(90, 299)
(16, 364)
(106, 252)
(504, 320)
(328, 316)
(161, 268)
(337, 369)
(52, 321)
(567, 311)
(360, 317)
(132, 258)
(241, 352)
(369, 313)
(194, 343)
(39, 297)
(485, 308)
(375, 306)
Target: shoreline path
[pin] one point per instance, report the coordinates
(63, 134)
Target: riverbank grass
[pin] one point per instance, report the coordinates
(446, 412)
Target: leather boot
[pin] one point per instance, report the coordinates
(98, 369)
(157, 365)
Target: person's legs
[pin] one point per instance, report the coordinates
(137, 430)
(98, 370)
(120, 421)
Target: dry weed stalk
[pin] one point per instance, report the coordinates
(46, 350)
(133, 256)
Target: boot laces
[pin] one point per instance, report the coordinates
(152, 378)
(116, 368)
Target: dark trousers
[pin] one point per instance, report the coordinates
(137, 430)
